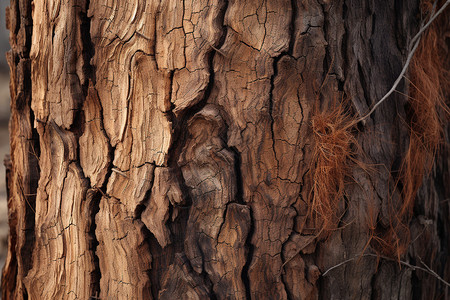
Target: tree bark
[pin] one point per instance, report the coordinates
(165, 149)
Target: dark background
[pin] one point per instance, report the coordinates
(4, 46)
(4, 116)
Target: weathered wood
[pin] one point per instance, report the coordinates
(165, 149)
(24, 174)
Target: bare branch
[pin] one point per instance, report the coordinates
(414, 41)
(413, 267)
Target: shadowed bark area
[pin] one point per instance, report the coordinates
(167, 149)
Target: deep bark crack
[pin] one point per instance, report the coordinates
(251, 248)
(180, 134)
(292, 27)
(20, 104)
(272, 120)
(88, 69)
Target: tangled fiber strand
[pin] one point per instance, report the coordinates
(334, 141)
(430, 81)
(332, 163)
(429, 84)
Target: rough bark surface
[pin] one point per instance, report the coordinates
(163, 150)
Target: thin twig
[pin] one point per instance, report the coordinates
(120, 172)
(413, 267)
(396, 83)
(300, 249)
(430, 271)
(341, 263)
(414, 41)
(433, 17)
(214, 48)
(101, 192)
(20, 183)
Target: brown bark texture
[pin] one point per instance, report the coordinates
(165, 150)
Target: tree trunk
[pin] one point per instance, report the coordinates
(207, 149)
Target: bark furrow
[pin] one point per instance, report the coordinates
(176, 149)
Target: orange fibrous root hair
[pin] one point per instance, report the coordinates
(429, 82)
(332, 163)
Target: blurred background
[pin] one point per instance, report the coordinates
(4, 138)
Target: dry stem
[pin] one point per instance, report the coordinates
(413, 267)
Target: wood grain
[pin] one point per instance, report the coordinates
(164, 150)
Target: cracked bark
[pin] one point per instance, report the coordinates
(162, 150)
